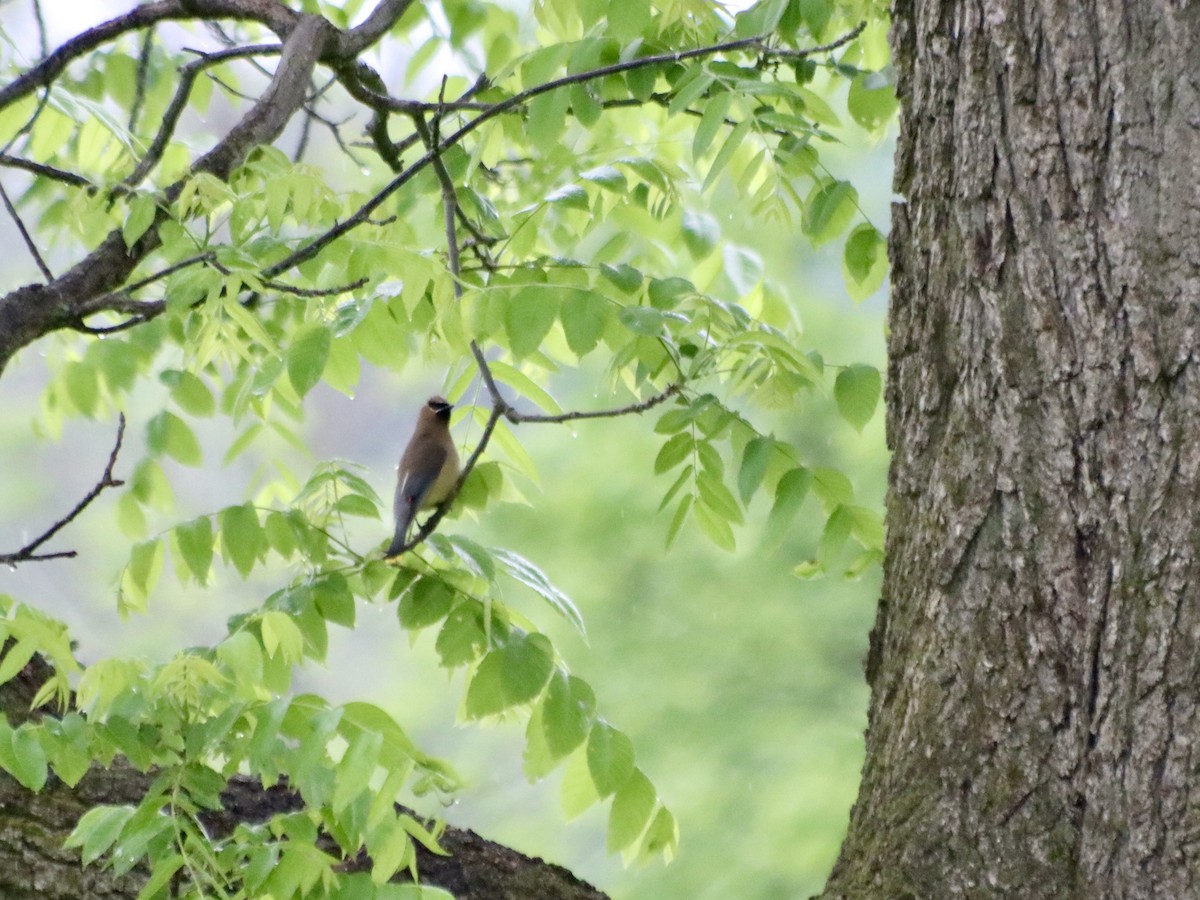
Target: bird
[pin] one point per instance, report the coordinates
(428, 469)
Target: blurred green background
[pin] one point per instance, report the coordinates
(740, 685)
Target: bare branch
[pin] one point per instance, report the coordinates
(270, 13)
(353, 42)
(27, 553)
(632, 409)
(25, 235)
(139, 85)
(44, 171)
(187, 77)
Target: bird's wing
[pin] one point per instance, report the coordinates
(413, 486)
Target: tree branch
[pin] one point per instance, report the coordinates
(25, 235)
(27, 554)
(29, 312)
(275, 16)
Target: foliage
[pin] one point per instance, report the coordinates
(576, 178)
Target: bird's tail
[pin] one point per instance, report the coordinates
(403, 523)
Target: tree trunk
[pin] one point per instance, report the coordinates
(1035, 665)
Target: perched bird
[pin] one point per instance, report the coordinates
(428, 469)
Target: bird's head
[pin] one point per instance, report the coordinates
(439, 407)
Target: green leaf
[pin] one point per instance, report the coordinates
(711, 121)
(195, 541)
(677, 520)
(307, 356)
(677, 448)
(22, 755)
(585, 315)
(141, 574)
(281, 635)
(477, 558)
(730, 147)
(864, 262)
(624, 276)
(628, 19)
(522, 570)
(662, 837)
(642, 320)
(700, 234)
(567, 713)
(828, 210)
(528, 660)
(631, 810)
(832, 486)
(755, 457)
(462, 639)
(571, 196)
(427, 603)
(485, 696)
(98, 829)
(548, 117)
(872, 100)
(167, 433)
(664, 293)
(243, 541)
(528, 317)
(609, 758)
(857, 390)
(189, 392)
(142, 211)
(789, 495)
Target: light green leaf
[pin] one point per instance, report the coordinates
(142, 211)
(242, 539)
(527, 661)
(195, 541)
(711, 121)
(609, 758)
(528, 317)
(167, 433)
(624, 276)
(789, 495)
(857, 390)
(585, 316)
(98, 829)
(425, 604)
(307, 356)
(725, 154)
(631, 810)
(828, 210)
(755, 457)
(568, 713)
(522, 570)
(864, 262)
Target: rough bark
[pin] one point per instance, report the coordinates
(34, 827)
(1034, 666)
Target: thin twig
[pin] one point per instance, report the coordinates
(18, 162)
(25, 235)
(27, 554)
(139, 84)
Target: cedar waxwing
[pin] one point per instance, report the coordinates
(428, 468)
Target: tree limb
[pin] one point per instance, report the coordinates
(27, 553)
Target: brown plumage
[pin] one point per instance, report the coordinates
(428, 469)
